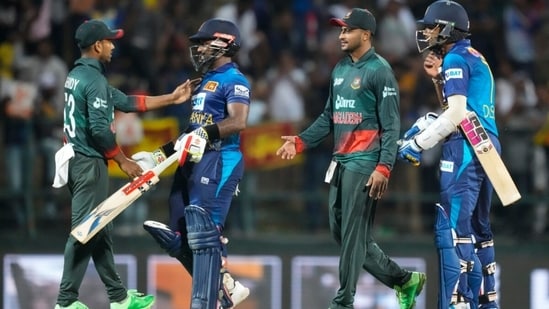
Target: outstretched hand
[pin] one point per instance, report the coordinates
(288, 149)
(184, 91)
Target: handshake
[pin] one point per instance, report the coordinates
(408, 149)
(190, 146)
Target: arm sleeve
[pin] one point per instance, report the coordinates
(388, 107)
(127, 103)
(100, 119)
(321, 127)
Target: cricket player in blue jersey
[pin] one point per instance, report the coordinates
(463, 82)
(202, 190)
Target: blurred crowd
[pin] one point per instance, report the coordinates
(288, 52)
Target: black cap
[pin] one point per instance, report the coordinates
(95, 30)
(356, 18)
(217, 28)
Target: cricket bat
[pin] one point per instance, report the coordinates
(490, 160)
(105, 212)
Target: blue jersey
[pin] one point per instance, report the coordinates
(219, 88)
(467, 73)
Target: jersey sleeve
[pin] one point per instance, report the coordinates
(456, 75)
(127, 103)
(388, 106)
(321, 127)
(100, 118)
(238, 90)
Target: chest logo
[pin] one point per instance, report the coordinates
(338, 81)
(211, 86)
(356, 83)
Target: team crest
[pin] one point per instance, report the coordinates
(356, 83)
(211, 86)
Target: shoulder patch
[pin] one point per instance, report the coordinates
(241, 91)
(211, 86)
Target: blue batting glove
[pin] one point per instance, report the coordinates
(421, 124)
(409, 151)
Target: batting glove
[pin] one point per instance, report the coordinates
(421, 124)
(192, 146)
(148, 160)
(410, 151)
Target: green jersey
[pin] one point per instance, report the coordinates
(362, 112)
(90, 103)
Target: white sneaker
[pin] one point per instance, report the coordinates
(460, 306)
(236, 290)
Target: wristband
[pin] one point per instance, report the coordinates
(213, 132)
(299, 145)
(384, 170)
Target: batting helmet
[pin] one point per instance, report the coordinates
(450, 21)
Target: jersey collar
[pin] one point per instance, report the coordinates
(367, 55)
(225, 67)
(94, 63)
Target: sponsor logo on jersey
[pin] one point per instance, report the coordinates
(241, 91)
(98, 103)
(347, 117)
(356, 83)
(446, 166)
(211, 86)
(201, 119)
(198, 101)
(338, 81)
(341, 102)
(389, 91)
(204, 180)
(453, 73)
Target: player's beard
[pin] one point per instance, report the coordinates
(350, 46)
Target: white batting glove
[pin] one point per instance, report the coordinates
(194, 146)
(420, 125)
(148, 160)
(144, 159)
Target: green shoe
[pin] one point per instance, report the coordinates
(135, 300)
(75, 305)
(407, 293)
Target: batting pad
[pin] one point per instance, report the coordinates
(449, 266)
(205, 242)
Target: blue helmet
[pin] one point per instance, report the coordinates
(225, 41)
(449, 18)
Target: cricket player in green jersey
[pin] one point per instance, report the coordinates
(90, 103)
(362, 112)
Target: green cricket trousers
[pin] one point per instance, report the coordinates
(88, 185)
(352, 212)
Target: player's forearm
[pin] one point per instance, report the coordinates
(230, 126)
(156, 102)
(445, 124)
